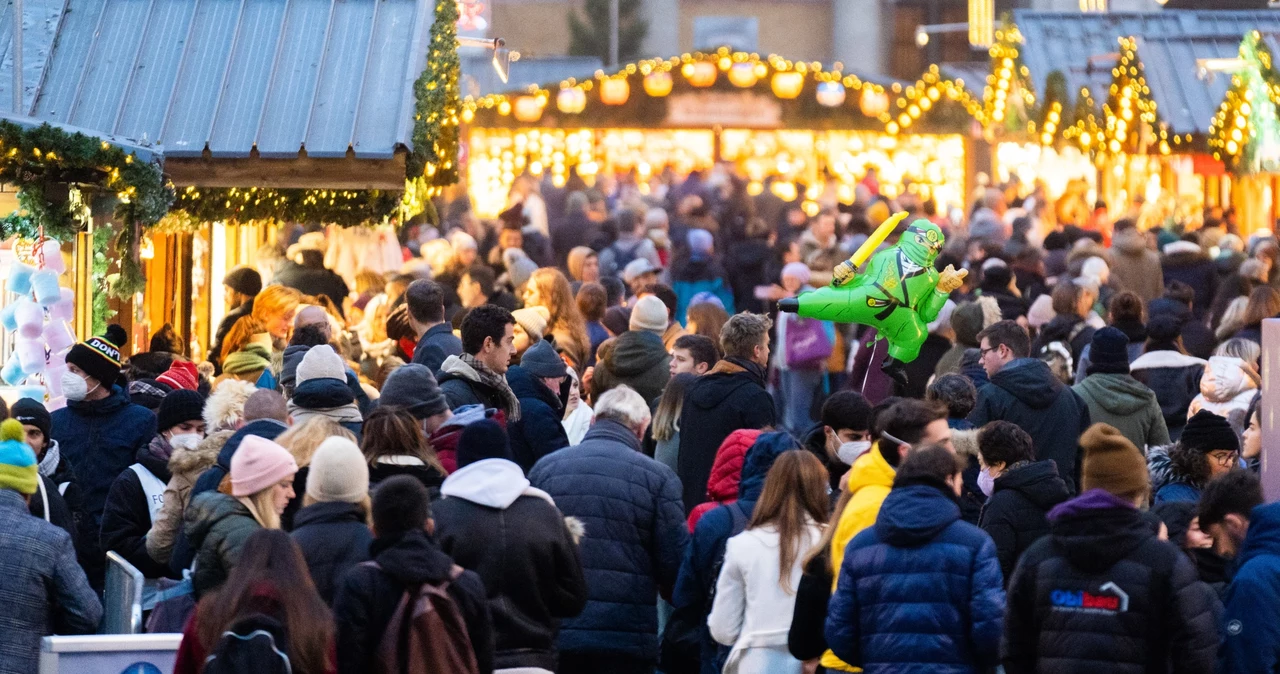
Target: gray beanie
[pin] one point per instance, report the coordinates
(414, 388)
(541, 360)
(339, 472)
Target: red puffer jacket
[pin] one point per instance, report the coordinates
(726, 471)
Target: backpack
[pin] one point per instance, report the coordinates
(256, 644)
(1057, 355)
(427, 633)
(623, 256)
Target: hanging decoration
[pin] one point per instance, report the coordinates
(571, 100)
(700, 73)
(743, 75)
(434, 157)
(656, 84)
(1245, 133)
(38, 319)
(614, 91)
(528, 109)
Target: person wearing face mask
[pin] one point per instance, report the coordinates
(99, 431)
(138, 492)
(219, 523)
(842, 434)
(1020, 491)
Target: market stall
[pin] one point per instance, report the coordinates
(1245, 134)
(801, 124)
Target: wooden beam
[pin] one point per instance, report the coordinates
(347, 173)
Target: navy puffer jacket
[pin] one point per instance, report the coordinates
(635, 536)
(919, 591)
(705, 554)
(538, 431)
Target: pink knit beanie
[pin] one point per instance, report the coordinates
(259, 463)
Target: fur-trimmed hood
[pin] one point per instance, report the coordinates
(193, 462)
(224, 408)
(965, 442)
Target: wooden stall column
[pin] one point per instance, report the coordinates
(82, 282)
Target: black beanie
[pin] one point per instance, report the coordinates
(178, 407)
(414, 388)
(481, 440)
(97, 357)
(32, 413)
(244, 280)
(1109, 352)
(1206, 432)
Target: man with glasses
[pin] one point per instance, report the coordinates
(1024, 391)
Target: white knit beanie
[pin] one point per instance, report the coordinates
(321, 362)
(649, 314)
(338, 472)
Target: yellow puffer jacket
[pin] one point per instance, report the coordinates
(870, 480)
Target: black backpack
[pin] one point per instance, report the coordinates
(257, 644)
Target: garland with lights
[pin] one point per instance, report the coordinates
(196, 205)
(436, 93)
(1008, 79)
(1245, 133)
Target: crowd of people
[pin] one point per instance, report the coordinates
(582, 439)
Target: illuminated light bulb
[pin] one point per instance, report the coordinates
(743, 75)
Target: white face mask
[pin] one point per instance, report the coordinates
(850, 451)
(185, 440)
(985, 482)
(74, 387)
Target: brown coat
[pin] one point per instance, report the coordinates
(185, 465)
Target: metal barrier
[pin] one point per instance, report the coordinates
(109, 654)
(122, 597)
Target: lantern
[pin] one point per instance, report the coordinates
(831, 94)
(700, 73)
(614, 91)
(743, 75)
(571, 100)
(528, 109)
(873, 102)
(657, 84)
(788, 84)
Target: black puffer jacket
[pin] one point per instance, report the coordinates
(730, 397)
(1014, 516)
(490, 521)
(1026, 393)
(368, 595)
(539, 430)
(1175, 379)
(333, 538)
(1103, 593)
(127, 516)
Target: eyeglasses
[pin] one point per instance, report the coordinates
(982, 353)
(1225, 459)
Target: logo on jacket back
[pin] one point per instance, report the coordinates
(1108, 599)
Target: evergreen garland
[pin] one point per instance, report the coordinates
(438, 103)
(196, 205)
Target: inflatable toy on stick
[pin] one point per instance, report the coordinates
(897, 291)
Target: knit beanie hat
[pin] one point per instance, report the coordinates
(1112, 463)
(533, 320)
(481, 440)
(33, 413)
(1206, 432)
(321, 362)
(259, 463)
(244, 280)
(1109, 352)
(618, 319)
(414, 388)
(98, 358)
(649, 314)
(541, 360)
(18, 468)
(178, 407)
(181, 375)
(338, 472)
(797, 270)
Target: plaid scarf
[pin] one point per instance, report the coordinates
(496, 381)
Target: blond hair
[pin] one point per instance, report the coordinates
(275, 301)
(303, 439)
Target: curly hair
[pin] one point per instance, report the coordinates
(1189, 465)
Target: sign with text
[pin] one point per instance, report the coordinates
(737, 109)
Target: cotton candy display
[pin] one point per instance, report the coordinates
(37, 320)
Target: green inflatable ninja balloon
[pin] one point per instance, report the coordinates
(897, 292)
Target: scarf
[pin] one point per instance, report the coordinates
(753, 369)
(479, 372)
(342, 414)
(252, 358)
(52, 456)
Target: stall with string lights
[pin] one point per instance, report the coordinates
(795, 124)
(1245, 133)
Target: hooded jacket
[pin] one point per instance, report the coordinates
(1225, 390)
(1102, 588)
(1185, 261)
(1174, 378)
(702, 559)
(126, 520)
(730, 397)
(538, 431)
(921, 590)
(1026, 393)
(1252, 641)
(368, 596)
(726, 473)
(185, 467)
(692, 276)
(1136, 267)
(635, 358)
(333, 537)
(217, 526)
(328, 398)
(101, 438)
(1014, 515)
(629, 505)
(491, 521)
(445, 439)
(1125, 403)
